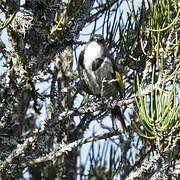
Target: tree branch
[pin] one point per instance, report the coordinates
(157, 167)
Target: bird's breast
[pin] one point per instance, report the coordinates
(93, 51)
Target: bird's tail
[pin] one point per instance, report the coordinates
(118, 120)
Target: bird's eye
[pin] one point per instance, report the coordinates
(100, 40)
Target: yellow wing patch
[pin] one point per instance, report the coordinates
(120, 81)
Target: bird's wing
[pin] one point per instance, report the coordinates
(97, 63)
(117, 75)
(81, 70)
(81, 60)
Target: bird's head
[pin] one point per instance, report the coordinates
(97, 38)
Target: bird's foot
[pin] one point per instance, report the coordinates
(110, 103)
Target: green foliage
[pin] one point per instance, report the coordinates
(4, 24)
(158, 111)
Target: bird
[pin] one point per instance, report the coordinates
(100, 76)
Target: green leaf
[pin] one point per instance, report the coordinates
(7, 22)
